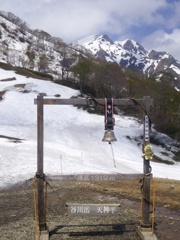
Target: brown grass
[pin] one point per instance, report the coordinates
(166, 191)
(26, 72)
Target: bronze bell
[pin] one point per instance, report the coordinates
(109, 137)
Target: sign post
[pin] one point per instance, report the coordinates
(147, 178)
(40, 171)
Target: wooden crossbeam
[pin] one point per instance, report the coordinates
(85, 101)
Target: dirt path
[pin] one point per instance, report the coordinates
(17, 214)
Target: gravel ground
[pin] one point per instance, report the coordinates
(17, 214)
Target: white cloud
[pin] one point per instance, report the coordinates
(74, 19)
(174, 20)
(162, 41)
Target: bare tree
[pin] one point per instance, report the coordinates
(43, 64)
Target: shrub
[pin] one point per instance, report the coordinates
(21, 39)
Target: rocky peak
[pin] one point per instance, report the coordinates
(156, 55)
(133, 46)
(106, 38)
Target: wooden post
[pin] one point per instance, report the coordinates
(145, 221)
(40, 172)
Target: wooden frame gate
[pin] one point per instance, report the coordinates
(145, 103)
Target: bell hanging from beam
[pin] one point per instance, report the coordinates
(109, 121)
(109, 137)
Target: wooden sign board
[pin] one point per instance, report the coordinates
(93, 209)
(96, 177)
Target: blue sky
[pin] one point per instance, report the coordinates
(153, 23)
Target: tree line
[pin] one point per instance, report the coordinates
(105, 79)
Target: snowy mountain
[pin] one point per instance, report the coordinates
(131, 54)
(38, 50)
(72, 137)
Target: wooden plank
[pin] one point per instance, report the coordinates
(40, 135)
(61, 101)
(95, 177)
(93, 209)
(84, 101)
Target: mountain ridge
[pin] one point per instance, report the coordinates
(131, 54)
(39, 51)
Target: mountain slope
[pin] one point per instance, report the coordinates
(71, 135)
(33, 49)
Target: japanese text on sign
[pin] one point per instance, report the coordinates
(94, 209)
(97, 177)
